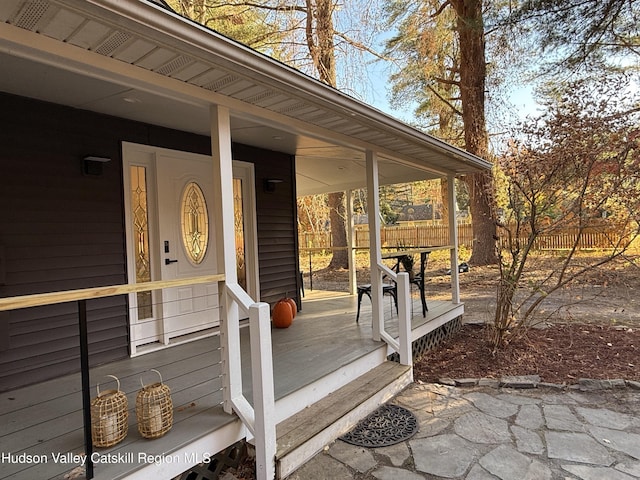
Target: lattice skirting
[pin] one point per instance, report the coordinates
(229, 458)
(432, 339)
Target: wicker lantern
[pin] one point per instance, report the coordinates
(154, 409)
(109, 416)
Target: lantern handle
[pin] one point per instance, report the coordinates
(151, 370)
(112, 376)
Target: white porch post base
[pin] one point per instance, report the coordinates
(263, 391)
(404, 319)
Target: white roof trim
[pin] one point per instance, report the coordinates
(242, 59)
(190, 43)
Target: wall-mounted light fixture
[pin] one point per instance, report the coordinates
(92, 165)
(270, 184)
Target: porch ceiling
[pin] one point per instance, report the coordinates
(136, 60)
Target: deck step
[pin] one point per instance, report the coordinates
(303, 435)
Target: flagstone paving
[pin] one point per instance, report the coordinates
(487, 433)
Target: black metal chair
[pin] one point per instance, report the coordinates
(417, 279)
(387, 289)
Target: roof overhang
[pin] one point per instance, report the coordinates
(135, 59)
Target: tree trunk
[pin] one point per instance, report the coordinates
(319, 34)
(337, 215)
(444, 200)
(482, 218)
(326, 49)
(473, 73)
(322, 50)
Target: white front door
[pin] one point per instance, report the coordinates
(187, 242)
(170, 235)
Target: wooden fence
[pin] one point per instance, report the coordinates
(599, 237)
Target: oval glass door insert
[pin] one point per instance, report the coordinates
(195, 223)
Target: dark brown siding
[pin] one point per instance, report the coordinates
(60, 230)
(277, 225)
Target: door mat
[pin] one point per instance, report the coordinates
(388, 425)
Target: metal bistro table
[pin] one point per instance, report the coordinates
(419, 279)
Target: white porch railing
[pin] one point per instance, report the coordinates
(259, 418)
(403, 344)
(81, 297)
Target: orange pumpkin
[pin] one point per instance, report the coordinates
(294, 307)
(282, 314)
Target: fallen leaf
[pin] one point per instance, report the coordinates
(181, 409)
(75, 473)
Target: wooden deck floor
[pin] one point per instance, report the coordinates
(45, 419)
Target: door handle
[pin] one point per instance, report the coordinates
(169, 262)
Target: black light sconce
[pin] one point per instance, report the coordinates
(92, 165)
(270, 184)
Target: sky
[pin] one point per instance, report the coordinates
(376, 93)
(521, 98)
(379, 91)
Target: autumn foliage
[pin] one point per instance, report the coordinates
(576, 166)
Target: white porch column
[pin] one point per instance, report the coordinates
(350, 246)
(260, 418)
(226, 253)
(373, 203)
(453, 240)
